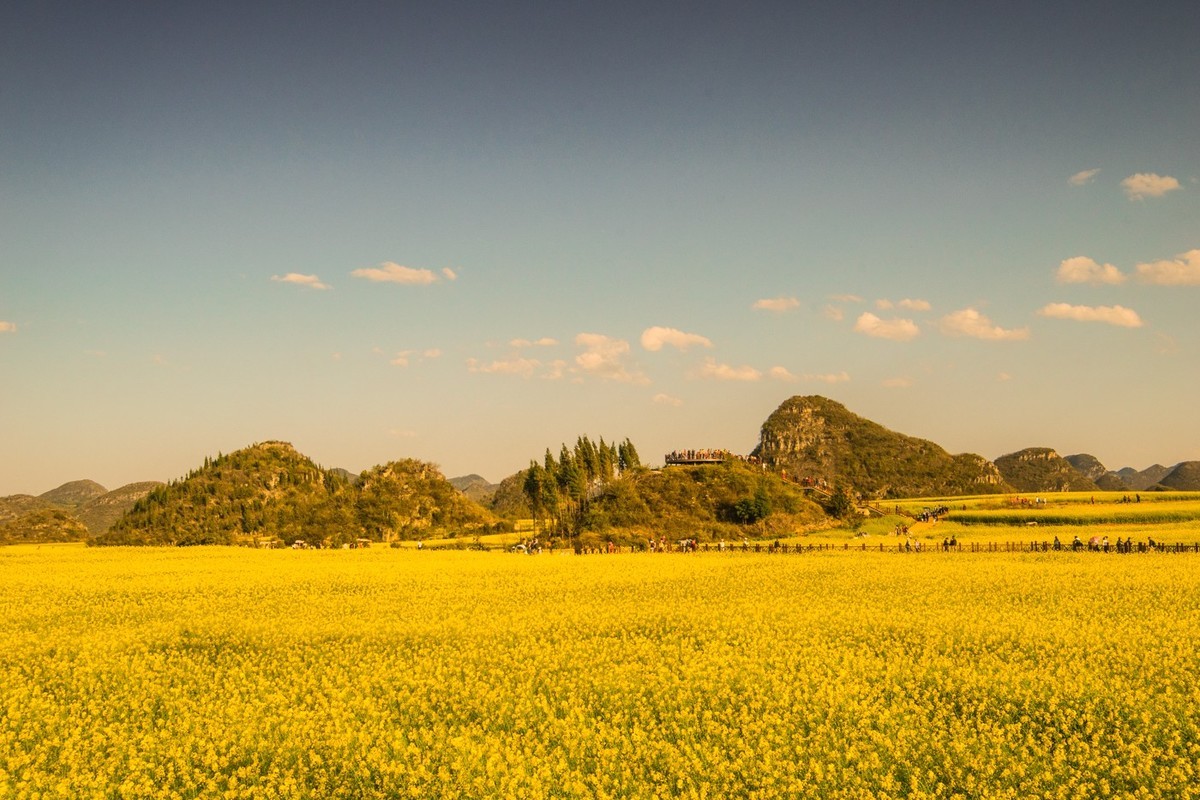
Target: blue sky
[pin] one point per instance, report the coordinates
(465, 232)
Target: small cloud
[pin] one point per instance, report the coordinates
(829, 377)
(524, 367)
(311, 281)
(389, 272)
(725, 372)
(8, 327)
(1081, 269)
(899, 330)
(545, 341)
(1148, 184)
(450, 274)
(336, 356)
(1003, 376)
(776, 304)
(666, 400)
(92, 353)
(654, 338)
(845, 298)
(898, 383)
(1111, 315)
(969, 322)
(401, 359)
(604, 356)
(781, 374)
(834, 313)
(907, 303)
(399, 433)
(1183, 270)
(1084, 177)
(432, 352)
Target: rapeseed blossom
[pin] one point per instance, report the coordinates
(243, 674)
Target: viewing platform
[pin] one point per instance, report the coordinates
(707, 456)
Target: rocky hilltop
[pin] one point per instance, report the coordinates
(818, 438)
(1040, 469)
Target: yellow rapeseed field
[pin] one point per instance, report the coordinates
(381, 673)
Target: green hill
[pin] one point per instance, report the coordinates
(709, 502)
(1185, 477)
(99, 513)
(410, 499)
(1040, 469)
(269, 492)
(42, 526)
(814, 437)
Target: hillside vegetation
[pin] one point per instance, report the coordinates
(1040, 469)
(269, 492)
(814, 437)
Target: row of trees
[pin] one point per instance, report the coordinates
(558, 491)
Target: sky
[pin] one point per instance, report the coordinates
(466, 232)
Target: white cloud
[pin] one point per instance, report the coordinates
(1183, 270)
(834, 313)
(900, 330)
(450, 274)
(1081, 269)
(907, 304)
(8, 327)
(545, 341)
(1148, 184)
(725, 372)
(1111, 315)
(604, 357)
(432, 352)
(1084, 177)
(311, 281)
(782, 374)
(829, 377)
(898, 383)
(845, 298)
(390, 272)
(654, 338)
(667, 400)
(524, 367)
(401, 359)
(969, 322)
(776, 304)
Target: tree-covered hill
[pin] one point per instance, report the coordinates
(1040, 469)
(270, 492)
(814, 437)
(1184, 477)
(43, 525)
(709, 502)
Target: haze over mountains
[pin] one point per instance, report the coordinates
(807, 437)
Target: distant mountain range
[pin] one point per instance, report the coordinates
(72, 512)
(269, 490)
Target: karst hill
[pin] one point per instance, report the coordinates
(814, 437)
(269, 492)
